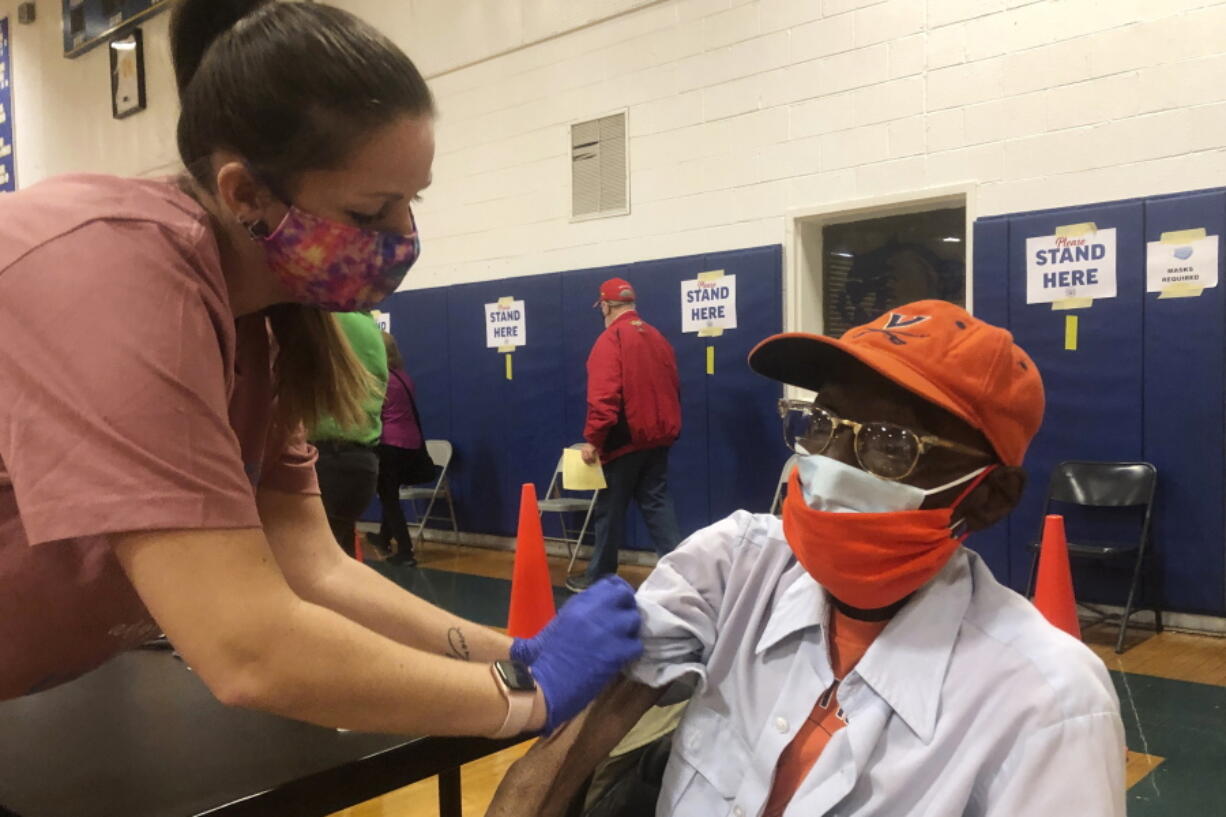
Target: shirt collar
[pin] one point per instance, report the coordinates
(906, 664)
(801, 605)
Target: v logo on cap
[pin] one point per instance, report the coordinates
(897, 321)
(894, 322)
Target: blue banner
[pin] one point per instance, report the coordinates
(8, 161)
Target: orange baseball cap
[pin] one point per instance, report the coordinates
(616, 289)
(933, 349)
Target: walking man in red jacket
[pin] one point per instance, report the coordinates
(633, 416)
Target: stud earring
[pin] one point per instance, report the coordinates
(257, 229)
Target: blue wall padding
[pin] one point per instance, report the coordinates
(1184, 419)
(990, 294)
(1145, 382)
(420, 327)
(533, 419)
(746, 449)
(479, 396)
(510, 432)
(1093, 393)
(504, 430)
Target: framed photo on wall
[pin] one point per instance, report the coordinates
(127, 74)
(89, 24)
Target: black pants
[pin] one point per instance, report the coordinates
(394, 471)
(347, 475)
(643, 477)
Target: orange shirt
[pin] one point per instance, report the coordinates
(849, 640)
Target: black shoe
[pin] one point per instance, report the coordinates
(577, 584)
(403, 556)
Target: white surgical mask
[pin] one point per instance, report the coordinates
(836, 487)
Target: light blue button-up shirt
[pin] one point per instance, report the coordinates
(968, 703)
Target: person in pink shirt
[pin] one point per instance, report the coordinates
(403, 459)
(163, 343)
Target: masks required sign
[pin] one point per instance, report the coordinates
(1182, 262)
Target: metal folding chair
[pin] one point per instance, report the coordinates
(440, 451)
(1110, 485)
(556, 501)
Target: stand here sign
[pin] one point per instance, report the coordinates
(1064, 267)
(708, 303)
(505, 324)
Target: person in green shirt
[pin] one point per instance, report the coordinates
(348, 465)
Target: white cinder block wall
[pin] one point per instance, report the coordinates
(63, 107)
(739, 111)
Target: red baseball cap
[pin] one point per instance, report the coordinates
(933, 349)
(616, 289)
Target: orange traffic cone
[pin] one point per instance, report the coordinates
(1053, 590)
(531, 590)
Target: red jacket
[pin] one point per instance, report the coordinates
(633, 390)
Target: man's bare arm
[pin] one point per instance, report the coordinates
(544, 781)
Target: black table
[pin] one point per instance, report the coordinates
(142, 737)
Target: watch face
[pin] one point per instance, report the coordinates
(515, 675)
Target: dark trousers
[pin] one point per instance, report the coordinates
(392, 474)
(643, 477)
(347, 475)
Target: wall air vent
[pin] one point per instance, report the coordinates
(598, 162)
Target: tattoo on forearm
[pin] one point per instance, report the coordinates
(457, 645)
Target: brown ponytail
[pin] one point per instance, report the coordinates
(290, 87)
(316, 374)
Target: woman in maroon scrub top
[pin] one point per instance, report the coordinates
(162, 344)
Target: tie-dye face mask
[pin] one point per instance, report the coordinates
(336, 266)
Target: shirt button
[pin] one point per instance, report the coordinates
(738, 812)
(781, 724)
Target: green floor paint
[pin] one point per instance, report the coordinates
(1184, 723)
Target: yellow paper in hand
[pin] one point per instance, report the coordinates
(577, 475)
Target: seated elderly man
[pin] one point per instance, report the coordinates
(853, 658)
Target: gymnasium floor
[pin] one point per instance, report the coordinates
(1172, 690)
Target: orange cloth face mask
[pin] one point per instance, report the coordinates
(870, 560)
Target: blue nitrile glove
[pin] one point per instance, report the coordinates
(591, 638)
(525, 650)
